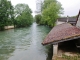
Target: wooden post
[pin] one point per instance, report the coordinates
(55, 49)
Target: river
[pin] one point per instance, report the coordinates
(24, 43)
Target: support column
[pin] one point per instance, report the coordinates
(55, 49)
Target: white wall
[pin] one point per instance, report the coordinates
(59, 22)
(78, 22)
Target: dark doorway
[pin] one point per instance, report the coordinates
(70, 46)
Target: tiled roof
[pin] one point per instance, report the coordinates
(63, 19)
(70, 19)
(61, 32)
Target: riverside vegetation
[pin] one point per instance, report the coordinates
(50, 11)
(19, 16)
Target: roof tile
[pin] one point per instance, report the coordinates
(61, 32)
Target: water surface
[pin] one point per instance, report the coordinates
(24, 43)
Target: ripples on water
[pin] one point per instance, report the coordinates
(24, 43)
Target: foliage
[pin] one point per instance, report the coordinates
(77, 57)
(23, 15)
(46, 3)
(51, 10)
(38, 18)
(11, 14)
(6, 13)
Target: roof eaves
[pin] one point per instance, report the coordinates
(63, 40)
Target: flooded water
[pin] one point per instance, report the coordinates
(24, 43)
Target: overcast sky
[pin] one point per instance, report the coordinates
(71, 7)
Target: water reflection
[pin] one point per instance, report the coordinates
(24, 43)
(5, 51)
(49, 52)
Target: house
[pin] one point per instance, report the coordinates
(78, 20)
(62, 33)
(71, 20)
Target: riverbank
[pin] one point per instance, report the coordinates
(66, 56)
(9, 27)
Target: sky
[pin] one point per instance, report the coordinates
(31, 3)
(71, 7)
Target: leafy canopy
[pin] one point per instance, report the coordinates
(23, 15)
(6, 13)
(51, 10)
(38, 18)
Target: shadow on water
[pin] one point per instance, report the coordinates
(49, 52)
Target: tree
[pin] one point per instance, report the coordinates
(23, 15)
(10, 14)
(5, 14)
(51, 10)
(46, 3)
(38, 18)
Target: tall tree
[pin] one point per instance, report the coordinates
(23, 15)
(46, 4)
(5, 7)
(10, 14)
(38, 18)
(51, 10)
